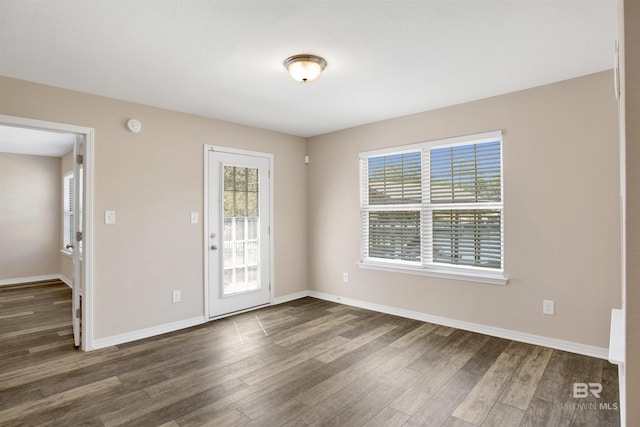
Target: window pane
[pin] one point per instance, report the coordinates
(466, 173)
(395, 179)
(468, 237)
(67, 206)
(395, 235)
(241, 256)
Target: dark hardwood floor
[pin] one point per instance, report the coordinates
(307, 362)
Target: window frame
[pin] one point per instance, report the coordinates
(67, 214)
(426, 266)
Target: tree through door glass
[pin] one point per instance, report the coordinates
(241, 256)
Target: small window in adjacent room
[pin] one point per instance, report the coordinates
(435, 208)
(67, 212)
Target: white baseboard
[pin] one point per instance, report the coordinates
(17, 280)
(146, 333)
(290, 297)
(587, 350)
(171, 327)
(66, 280)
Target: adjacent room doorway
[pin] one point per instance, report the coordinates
(82, 226)
(238, 230)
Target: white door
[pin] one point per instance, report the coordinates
(238, 231)
(78, 220)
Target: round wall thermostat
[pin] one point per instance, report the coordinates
(133, 125)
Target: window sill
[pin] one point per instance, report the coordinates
(66, 252)
(469, 276)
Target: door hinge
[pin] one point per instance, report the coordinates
(79, 159)
(78, 314)
(79, 236)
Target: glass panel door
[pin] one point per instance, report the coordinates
(238, 240)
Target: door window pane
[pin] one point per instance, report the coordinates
(241, 230)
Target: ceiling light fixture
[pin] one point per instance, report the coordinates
(305, 68)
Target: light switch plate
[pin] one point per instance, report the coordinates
(194, 217)
(109, 217)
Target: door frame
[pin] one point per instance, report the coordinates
(86, 343)
(205, 215)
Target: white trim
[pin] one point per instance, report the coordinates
(147, 332)
(27, 279)
(468, 276)
(445, 142)
(66, 280)
(587, 350)
(66, 252)
(88, 274)
(290, 297)
(205, 214)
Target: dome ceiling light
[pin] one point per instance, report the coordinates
(304, 68)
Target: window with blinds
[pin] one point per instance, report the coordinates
(435, 204)
(67, 211)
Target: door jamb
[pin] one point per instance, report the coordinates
(87, 278)
(205, 214)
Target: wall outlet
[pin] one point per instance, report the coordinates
(345, 277)
(548, 307)
(194, 217)
(175, 296)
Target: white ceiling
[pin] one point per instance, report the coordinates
(36, 142)
(223, 58)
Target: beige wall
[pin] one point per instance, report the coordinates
(629, 34)
(30, 215)
(153, 180)
(562, 230)
(561, 208)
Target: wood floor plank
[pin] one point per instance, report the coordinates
(167, 408)
(475, 407)
(486, 356)
(304, 362)
(48, 403)
(404, 358)
(456, 422)
(316, 327)
(352, 344)
(345, 377)
(229, 418)
(332, 404)
(365, 409)
(388, 418)
(502, 415)
(413, 336)
(437, 409)
(430, 383)
(523, 384)
(297, 358)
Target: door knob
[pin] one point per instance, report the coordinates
(214, 247)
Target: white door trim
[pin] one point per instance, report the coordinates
(205, 237)
(87, 278)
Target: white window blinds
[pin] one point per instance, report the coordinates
(67, 211)
(434, 204)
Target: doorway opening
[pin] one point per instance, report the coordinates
(238, 222)
(79, 215)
